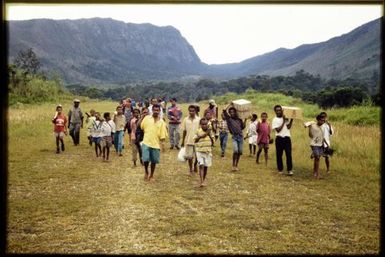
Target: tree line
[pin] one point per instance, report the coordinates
(27, 84)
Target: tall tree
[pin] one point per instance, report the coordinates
(27, 61)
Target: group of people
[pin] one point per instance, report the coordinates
(148, 129)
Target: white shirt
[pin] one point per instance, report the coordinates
(277, 122)
(318, 135)
(96, 129)
(327, 133)
(107, 128)
(253, 128)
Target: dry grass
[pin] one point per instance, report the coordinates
(75, 203)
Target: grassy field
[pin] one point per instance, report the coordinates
(75, 203)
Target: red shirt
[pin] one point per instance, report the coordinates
(59, 123)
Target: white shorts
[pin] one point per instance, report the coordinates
(204, 159)
(58, 134)
(253, 140)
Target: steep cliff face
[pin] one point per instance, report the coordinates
(105, 50)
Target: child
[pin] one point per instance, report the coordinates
(107, 130)
(252, 134)
(89, 122)
(60, 127)
(203, 147)
(96, 134)
(263, 130)
(328, 132)
(120, 123)
(316, 133)
(134, 143)
(223, 134)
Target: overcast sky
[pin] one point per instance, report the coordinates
(223, 33)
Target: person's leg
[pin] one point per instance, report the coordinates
(258, 154)
(279, 152)
(77, 134)
(96, 149)
(116, 140)
(250, 148)
(120, 142)
(201, 167)
(134, 151)
(316, 166)
(254, 149)
(235, 152)
(72, 132)
(327, 163)
(240, 147)
(289, 163)
(204, 173)
(177, 135)
(57, 144)
(99, 149)
(108, 152)
(190, 165)
(62, 144)
(154, 158)
(266, 155)
(104, 149)
(221, 140)
(145, 159)
(146, 170)
(153, 165)
(171, 130)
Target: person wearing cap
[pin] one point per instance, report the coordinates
(60, 127)
(75, 118)
(174, 114)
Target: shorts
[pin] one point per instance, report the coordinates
(150, 154)
(96, 140)
(204, 159)
(253, 140)
(59, 134)
(317, 151)
(263, 145)
(106, 141)
(237, 144)
(190, 152)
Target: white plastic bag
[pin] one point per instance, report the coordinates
(181, 154)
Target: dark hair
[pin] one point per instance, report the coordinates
(156, 106)
(232, 108)
(323, 114)
(203, 119)
(264, 113)
(192, 107)
(277, 106)
(174, 99)
(255, 116)
(319, 116)
(106, 114)
(136, 110)
(119, 107)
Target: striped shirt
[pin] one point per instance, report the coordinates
(204, 144)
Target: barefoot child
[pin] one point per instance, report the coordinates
(328, 132)
(223, 134)
(263, 129)
(252, 134)
(60, 127)
(108, 129)
(135, 146)
(96, 134)
(316, 134)
(203, 147)
(89, 121)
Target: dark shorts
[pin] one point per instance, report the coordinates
(237, 144)
(106, 141)
(96, 140)
(150, 154)
(263, 146)
(317, 151)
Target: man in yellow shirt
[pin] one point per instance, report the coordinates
(155, 133)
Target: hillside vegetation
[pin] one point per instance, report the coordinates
(73, 203)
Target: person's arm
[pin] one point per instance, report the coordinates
(69, 118)
(81, 118)
(281, 127)
(183, 137)
(216, 112)
(211, 139)
(290, 124)
(65, 126)
(330, 128)
(310, 132)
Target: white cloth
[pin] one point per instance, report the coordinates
(277, 122)
(96, 129)
(252, 133)
(327, 133)
(204, 159)
(317, 135)
(107, 128)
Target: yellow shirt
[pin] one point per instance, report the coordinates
(153, 131)
(204, 144)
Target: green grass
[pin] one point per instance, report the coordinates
(75, 203)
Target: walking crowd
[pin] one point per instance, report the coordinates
(148, 124)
